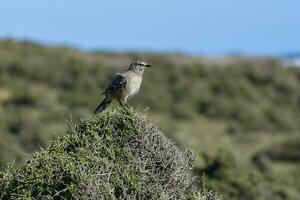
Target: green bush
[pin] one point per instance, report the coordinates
(288, 150)
(118, 155)
(223, 174)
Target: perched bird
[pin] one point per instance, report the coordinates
(123, 86)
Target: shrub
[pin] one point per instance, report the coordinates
(118, 155)
(223, 174)
(288, 150)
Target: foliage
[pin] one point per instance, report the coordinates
(288, 150)
(118, 155)
(224, 174)
(250, 106)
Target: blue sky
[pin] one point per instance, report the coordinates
(213, 27)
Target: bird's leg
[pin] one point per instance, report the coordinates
(122, 104)
(126, 104)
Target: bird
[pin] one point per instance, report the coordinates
(123, 86)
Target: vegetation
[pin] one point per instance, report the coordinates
(247, 107)
(119, 155)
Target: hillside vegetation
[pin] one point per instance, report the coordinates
(119, 155)
(240, 115)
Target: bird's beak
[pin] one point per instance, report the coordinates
(148, 65)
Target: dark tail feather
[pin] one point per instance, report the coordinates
(102, 106)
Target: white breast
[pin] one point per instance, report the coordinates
(134, 84)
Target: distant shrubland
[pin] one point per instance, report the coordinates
(248, 106)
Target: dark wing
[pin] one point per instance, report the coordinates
(117, 83)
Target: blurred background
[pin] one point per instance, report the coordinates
(225, 80)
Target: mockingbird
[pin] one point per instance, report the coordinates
(123, 86)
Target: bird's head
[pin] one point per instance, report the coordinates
(138, 66)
